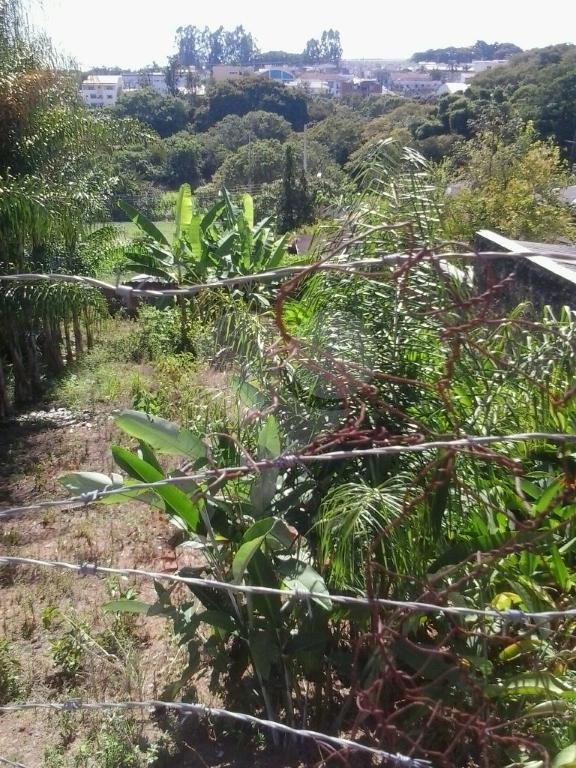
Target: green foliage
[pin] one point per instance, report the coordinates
(509, 186)
(340, 133)
(538, 85)
(222, 242)
(163, 113)
(245, 95)
(480, 50)
(10, 674)
(112, 742)
(295, 205)
(68, 652)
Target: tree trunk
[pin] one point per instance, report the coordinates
(77, 335)
(4, 404)
(88, 326)
(68, 343)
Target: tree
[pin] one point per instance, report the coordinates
(183, 160)
(249, 94)
(331, 47)
(54, 164)
(164, 113)
(312, 53)
(511, 186)
(289, 202)
(340, 133)
(295, 204)
(253, 164)
(204, 48)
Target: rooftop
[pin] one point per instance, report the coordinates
(557, 258)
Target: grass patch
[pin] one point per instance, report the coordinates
(128, 230)
(107, 375)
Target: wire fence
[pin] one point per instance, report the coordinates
(459, 662)
(74, 705)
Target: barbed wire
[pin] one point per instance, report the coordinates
(282, 272)
(71, 705)
(286, 461)
(5, 761)
(510, 616)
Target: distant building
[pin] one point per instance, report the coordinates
(412, 83)
(366, 86)
(134, 81)
(449, 89)
(222, 72)
(101, 90)
(481, 65)
(278, 74)
(327, 82)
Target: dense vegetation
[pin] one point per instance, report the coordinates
(330, 380)
(480, 50)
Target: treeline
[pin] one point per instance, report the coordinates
(204, 48)
(480, 50)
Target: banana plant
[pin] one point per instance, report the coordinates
(223, 242)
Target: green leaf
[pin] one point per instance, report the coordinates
(184, 209)
(263, 490)
(88, 482)
(161, 434)
(218, 620)
(243, 556)
(247, 203)
(546, 499)
(301, 577)
(177, 503)
(264, 652)
(505, 600)
(127, 606)
(194, 236)
(274, 530)
(269, 439)
(566, 758)
(143, 223)
(558, 568)
(305, 642)
(529, 684)
(514, 650)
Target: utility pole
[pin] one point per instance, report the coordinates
(305, 154)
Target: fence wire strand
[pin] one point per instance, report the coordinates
(73, 705)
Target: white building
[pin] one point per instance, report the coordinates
(412, 83)
(449, 89)
(133, 81)
(101, 90)
(481, 65)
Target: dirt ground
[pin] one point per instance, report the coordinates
(38, 606)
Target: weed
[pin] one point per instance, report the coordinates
(68, 653)
(10, 674)
(113, 742)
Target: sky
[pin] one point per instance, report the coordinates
(133, 33)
